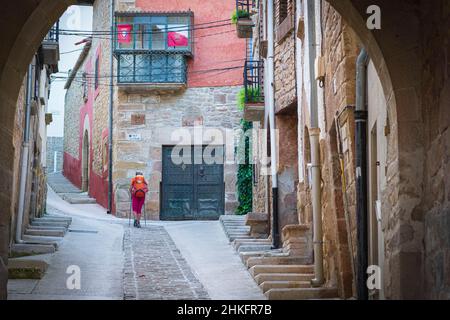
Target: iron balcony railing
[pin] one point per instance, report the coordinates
(244, 8)
(151, 68)
(53, 34)
(254, 81)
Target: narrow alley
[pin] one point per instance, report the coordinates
(225, 150)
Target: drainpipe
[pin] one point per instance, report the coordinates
(314, 133)
(361, 174)
(271, 102)
(111, 109)
(25, 155)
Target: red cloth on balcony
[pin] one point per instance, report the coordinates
(175, 39)
(124, 33)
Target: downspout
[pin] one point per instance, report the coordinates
(273, 147)
(25, 155)
(361, 175)
(111, 110)
(314, 133)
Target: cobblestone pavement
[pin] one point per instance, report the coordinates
(155, 269)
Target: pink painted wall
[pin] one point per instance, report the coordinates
(72, 167)
(211, 52)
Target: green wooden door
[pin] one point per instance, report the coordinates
(193, 190)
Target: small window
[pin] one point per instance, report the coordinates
(97, 67)
(84, 85)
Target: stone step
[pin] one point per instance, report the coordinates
(64, 229)
(267, 285)
(44, 232)
(234, 228)
(232, 217)
(77, 200)
(55, 219)
(272, 253)
(301, 293)
(49, 224)
(260, 278)
(228, 226)
(238, 243)
(55, 241)
(253, 261)
(255, 247)
(235, 237)
(302, 269)
(27, 249)
(237, 234)
(26, 268)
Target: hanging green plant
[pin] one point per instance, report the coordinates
(236, 15)
(245, 175)
(253, 96)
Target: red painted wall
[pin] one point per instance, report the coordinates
(72, 169)
(211, 51)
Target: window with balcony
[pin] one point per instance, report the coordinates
(153, 47)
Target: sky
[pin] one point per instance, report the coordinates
(75, 18)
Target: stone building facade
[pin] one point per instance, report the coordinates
(406, 200)
(144, 118)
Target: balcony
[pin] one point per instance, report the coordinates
(143, 72)
(154, 32)
(242, 18)
(152, 49)
(49, 50)
(254, 90)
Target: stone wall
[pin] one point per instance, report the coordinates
(73, 102)
(339, 50)
(55, 144)
(159, 115)
(19, 121)
(435, 214)
(101, 49)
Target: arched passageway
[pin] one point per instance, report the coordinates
(404, 54)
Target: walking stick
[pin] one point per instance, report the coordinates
(145, 214)
(129, 213)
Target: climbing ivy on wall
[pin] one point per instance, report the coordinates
(245, 175)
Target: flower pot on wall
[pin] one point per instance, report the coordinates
(244, 28)
(254, 111)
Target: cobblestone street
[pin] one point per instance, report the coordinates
(155, 269)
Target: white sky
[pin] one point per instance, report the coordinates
(75, 18)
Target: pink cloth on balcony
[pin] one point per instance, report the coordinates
(175, 39)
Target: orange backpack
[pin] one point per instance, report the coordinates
(140, 186)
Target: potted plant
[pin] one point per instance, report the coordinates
(252, 104)
(244, 24)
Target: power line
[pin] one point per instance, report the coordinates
(108, 31)
(71, 51)
(91, 76)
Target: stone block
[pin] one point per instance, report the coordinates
(259, 224)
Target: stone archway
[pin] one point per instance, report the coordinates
(395, 52)
(27, 22)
